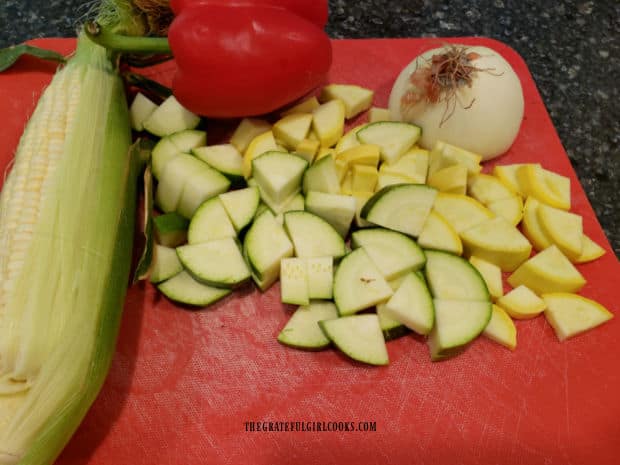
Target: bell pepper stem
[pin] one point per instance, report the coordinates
(125, 44)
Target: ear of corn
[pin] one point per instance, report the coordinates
(66, 229)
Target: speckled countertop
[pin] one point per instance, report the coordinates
(571, 47)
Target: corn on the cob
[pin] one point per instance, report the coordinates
(66, 228)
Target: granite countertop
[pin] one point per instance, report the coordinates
(572, 49)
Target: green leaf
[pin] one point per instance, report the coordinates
(141, 149)
(9, 55)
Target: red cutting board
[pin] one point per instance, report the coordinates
(183, 384)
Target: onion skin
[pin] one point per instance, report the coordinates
(487, 116)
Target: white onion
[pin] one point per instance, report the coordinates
(483, 117)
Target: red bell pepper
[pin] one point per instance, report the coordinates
(315, 11)
(243, 58)
(237, 57)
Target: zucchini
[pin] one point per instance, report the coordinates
(452, 277)
(338, 210)
(170, 117)
(161, 154)
(302, 330)
(457, 323)
(394, 253)
(170, 229)
(294, 281)
(226, 159)
(265, 244)
(210, 222)
(358, 336)
(217, 263)
(241, 206)
(401, 207)
(312, 236)
(279, 175)
(392, 329)
(322, 176)
(358, 283)
(412, 305)
(320, 277)
(165, 264)
(184, 289)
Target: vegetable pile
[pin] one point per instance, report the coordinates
(370, 235)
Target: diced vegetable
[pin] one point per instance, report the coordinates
(246, 131)
(303, 331)
(358, 336)
(510, 208)
(225, 158)
(356, 99)
(170, 229)
(312, 236)
(292, 129)
(320, 277)
(497, 241)
(394, 253)
(572, 314)
(392, 329)
(358, 283)
(338, 210)
(460, 211)
(457, 323)
(492, 275)
(185, 183)
(548, 271)
(501, 328)
(521, 303)
(438, 234)
(165, 265)
(328, 122)
(412, 304)
(322, 176)
(444, 155)
(210, 222)
(140, 109)
(412, 165)
(394, 138)
(184, 289)
(590, 250)
(378, 114)
(261, 143)
(241, 206)
(305, 106)
(265, 244)
(170, 117)
(565, 229)
(453, 278)
(217, 263)
(294, 281)
(401, 207)
(278, 175)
